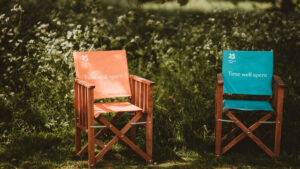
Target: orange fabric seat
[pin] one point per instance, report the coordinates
(114, 107)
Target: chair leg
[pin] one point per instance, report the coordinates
(279, 109)
(77, 139)
(149, 128)
(277, 138)
(218, 115)
(91, 147)
(133, 133)
(90, 121)
(218, 135)
(218, 131)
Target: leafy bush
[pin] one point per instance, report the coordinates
(180, 51)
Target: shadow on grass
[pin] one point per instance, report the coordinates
(38, 150)
(47, 150)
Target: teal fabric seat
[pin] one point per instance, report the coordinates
(247, 105)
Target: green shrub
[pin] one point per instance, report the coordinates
(180, 51)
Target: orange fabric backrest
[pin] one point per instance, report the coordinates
(107, 70)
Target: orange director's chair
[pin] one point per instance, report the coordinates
(101, 75)
(248, 73)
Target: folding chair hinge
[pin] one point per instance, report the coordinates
(97, 126)
(268, 122)
(223, 120)
(139, 123)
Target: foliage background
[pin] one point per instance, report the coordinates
(179, 50)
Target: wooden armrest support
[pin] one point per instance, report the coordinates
(142, 80)
(220, 79)
(278, 93)
(142, 93)
(278, 81)
(84, 83)
(84, 104)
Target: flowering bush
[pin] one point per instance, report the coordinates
(180, 51)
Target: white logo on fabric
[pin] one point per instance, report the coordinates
(231, 58)
(84, 58)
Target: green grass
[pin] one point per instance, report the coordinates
(33, 151)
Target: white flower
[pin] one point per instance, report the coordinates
(69, 34)
(2, 16)
(211, 19)
(243, 35)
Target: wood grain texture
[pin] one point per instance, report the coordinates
(149, 120)
(115, 138)
(84, 83)
(250, 134)
(121, 135)
(218, 115)
(91, 140)
(244, 135)
(279, 112)
(142, 80)
(77, 130)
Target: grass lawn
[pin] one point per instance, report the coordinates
(61, 155)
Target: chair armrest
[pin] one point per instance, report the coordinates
(219, 102)
(278, 81)
(83, 104)
(84, 83)
(278, 95)
(220, 79)
(142, 93)
(142, 80)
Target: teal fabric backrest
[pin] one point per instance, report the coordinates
(247, 72)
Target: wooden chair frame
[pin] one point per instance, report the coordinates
(277, 103)
(142, 96)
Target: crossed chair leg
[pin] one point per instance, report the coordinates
(248, 132)
(119, 135)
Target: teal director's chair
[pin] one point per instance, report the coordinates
(248, 73)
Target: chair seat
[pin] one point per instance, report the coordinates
(114, 107)
(247, 105)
